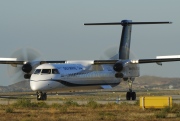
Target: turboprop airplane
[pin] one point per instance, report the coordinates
(48, 76)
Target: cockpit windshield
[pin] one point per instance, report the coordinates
(37, 71)
(46, 71)
(55, 71)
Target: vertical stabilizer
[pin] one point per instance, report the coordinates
(125, 41)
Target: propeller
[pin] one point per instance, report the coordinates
(16, 72)
(112, 53)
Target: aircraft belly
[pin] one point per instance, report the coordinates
(65, 88)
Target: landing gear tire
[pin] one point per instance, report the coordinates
(41, 96)
(131, 95)
(128, 95)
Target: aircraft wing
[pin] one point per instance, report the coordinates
(11, 61)
(16, 62)
(142, 61)
(138, 61)
(159, 59)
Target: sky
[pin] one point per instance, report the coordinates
(55, 29)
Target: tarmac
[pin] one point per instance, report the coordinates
(101, 97)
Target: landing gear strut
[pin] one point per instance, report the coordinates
(41, 96)
(130, 94)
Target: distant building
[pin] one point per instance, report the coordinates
(171, 86)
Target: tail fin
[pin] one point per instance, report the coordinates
(125, 41)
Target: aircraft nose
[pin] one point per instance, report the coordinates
(38, 85)
(35, 86)
(42, 83)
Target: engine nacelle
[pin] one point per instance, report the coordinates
(118, 67)
(27, 68)
(27, 76)
(119, 75)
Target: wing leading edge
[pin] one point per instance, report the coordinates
(143, 61)
(138, 61)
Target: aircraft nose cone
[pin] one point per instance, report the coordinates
(36, 86)
(33, 87)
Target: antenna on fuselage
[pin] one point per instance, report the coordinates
(124, 47)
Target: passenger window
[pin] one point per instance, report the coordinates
(46, 71)
(55, 71)
(37, 71)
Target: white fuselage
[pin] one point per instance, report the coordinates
(79, 75)
(72, 76)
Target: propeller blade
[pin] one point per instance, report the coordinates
(112, 53)
(15, 71)
(32, 54)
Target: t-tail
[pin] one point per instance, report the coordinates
(125, 41)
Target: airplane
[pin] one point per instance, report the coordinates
(48, 76)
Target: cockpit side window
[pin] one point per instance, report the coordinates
(37, 71)
(55, 71)
(46, 71)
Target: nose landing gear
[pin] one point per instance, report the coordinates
(41, 96)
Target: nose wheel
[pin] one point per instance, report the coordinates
(41, 96)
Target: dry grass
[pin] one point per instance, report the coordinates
(25, 110)
(28, 109)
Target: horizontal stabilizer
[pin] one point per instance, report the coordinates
(127, 23)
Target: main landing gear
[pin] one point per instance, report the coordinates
(130, 94)
(41, 96)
